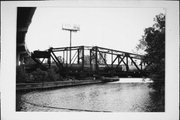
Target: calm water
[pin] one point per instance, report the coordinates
(114, 97)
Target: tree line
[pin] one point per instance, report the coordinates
(153, 44)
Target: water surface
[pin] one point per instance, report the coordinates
(104, 97)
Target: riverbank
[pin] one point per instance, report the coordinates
(74, 82)
(54, 84)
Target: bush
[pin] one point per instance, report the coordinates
(38, 75)
(21, 75)
(52, 75)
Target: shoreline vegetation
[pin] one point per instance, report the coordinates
(153, 43)
(39, 79)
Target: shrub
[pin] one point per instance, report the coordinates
(38, 75)
(21, 75)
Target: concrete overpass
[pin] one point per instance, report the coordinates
(24, 17)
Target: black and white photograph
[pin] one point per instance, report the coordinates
(90, 59)
(98, 58)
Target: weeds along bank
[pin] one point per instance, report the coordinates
(38, 75)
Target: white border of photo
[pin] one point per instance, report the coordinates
(8, 62)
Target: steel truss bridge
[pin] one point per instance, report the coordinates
(91, 61)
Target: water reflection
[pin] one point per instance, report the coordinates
(115, 97)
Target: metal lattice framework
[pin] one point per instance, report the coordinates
(92, 61)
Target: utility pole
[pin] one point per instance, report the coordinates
(70, 29)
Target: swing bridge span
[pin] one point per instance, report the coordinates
(91, 61)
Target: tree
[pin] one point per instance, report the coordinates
(153, 42)
(140, 48)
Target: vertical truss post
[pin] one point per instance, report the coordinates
(49, 62)
(127, 66)
(82, 57)
(90, 59)
(63, 57)
(118, 59)
(70, 49)
(78, 55)
(111, 59)
(96, 59)
(66, 57)
(49, 58)
(141, 65)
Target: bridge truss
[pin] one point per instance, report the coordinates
(92, 61)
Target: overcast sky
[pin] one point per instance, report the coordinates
(115, 28)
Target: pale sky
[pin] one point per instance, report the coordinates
(115, 28)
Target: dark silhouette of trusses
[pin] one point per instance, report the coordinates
(91, 61)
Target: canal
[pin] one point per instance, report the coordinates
(127, 96)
